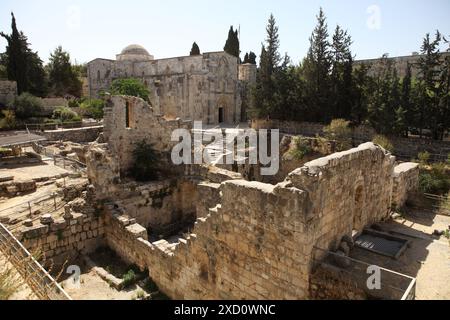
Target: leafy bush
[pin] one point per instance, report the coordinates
(65, 114)
(424, 157)
(129, 278)
(130, 87)
(94, 108)
(26, 105)
(434, 180)
(145, 162)
(340, 131)
(383, 142)
(302, 147)
(9, 120)
(74, 103)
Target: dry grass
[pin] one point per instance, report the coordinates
(10, 281)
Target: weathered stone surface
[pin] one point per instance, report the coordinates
(28, 223)
(406, 182)
(46, 219)
(191, 87)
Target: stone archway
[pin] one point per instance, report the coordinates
(222, 110)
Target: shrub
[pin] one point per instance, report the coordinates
(302, 147)
(130, 87)
(434, 180)
(94, 108)
(383, 142)
(65, 114)
(423, 157)
(74, 103)
(129, 278)
(145, 162)
(9, 120)
(26, 105)
(340, 131)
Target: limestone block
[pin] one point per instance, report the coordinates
(137, 231)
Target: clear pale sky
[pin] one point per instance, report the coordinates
(101, 28)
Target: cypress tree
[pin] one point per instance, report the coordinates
(252, 57)
(264, 94)
(317, 71)
(22, 64)
(195, 50)
(232, 43)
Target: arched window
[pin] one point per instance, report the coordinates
(98, 75)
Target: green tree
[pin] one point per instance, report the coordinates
(145, 165)
(362, 89)
(245, 58)
(232, 43)
(385, 98)
(63, 77)
(430, 113)
(65, 114)
(129, 87)
(341, 74)
(252, 57)
(264, 92)
(93, 108)
(26, 105)
(195, 50)
(407, 99)
(316, 70)
(22, 64)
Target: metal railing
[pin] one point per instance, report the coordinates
(35, 276)
(48, 203)
(61, 161)
(39, 127)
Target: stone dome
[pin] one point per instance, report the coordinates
(134, 52)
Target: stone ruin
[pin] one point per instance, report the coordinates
(207, 233)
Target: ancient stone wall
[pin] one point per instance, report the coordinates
(406, 180)
(191, 87)
(130, 120)
(64, 238)
(163, 207)
(78, 135)
(8, 91)
(257, 242)
(346, 191)
(232, 253)
(405, 148)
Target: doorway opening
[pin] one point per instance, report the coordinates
(221, 115)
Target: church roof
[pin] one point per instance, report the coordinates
(135, 49)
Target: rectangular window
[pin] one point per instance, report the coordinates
(127, 115)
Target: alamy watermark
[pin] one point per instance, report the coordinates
(227, 146)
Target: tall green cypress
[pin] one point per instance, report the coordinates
(341, 74)
(430, 112)
(232, 43)
(22, 64)
(195, 50)
(264, 93)
(317, 72)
